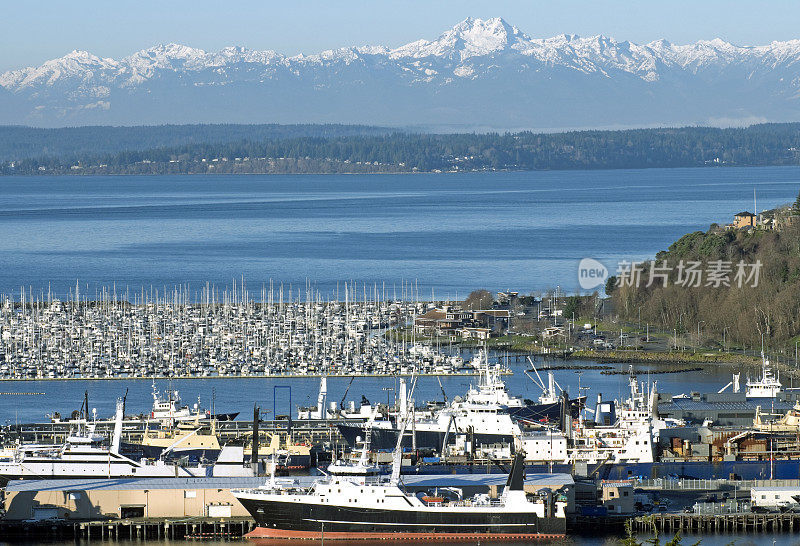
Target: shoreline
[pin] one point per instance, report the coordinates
(599, 357)
(48, 174)
(276, 376)
(655, 357)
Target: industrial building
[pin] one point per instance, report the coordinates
(129, 498)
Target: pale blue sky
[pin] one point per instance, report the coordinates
(34, 31)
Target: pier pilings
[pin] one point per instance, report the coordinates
(129, 529)
(718, 523)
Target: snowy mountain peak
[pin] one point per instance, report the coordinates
(165, 54)
(565, 80)
(469, 38)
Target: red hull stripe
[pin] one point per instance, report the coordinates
(266, 535)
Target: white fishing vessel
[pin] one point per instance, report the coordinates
(480, 415)
(169, 409)
(84, 455)
(356, 502)
(768, 386)
(333, 410)
(623, 432)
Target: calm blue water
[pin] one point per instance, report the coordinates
(233, 394)
(450, 233)
(744, 539)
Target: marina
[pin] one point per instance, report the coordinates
(226, 334)
(201, 404)
(575, 456)
(377, 273)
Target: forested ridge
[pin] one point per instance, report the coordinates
(18, 142)
(274, 149)
(741, 311)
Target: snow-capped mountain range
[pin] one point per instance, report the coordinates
(478, 74)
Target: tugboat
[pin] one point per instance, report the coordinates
(168, 409)
(356, 502)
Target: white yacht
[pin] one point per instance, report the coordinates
(168, 409)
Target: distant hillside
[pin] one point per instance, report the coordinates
(17, 142)
(739, 314)
(347, 149)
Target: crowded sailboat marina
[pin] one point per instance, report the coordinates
(276, 331)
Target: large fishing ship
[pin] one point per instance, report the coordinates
(488, 414)
(355, 501)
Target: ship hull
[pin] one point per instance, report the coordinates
(266, 536)
(231, 416)
(355, 522)
(82, 470)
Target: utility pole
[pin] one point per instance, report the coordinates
(698, 334)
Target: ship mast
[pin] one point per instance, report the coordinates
(397, 456)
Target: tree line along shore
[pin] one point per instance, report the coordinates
(276, 149)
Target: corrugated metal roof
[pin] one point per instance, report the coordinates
(542, 480)
(133, 483)
(687, 404)
(443, 480)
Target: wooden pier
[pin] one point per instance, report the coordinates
(129, 529)
(719, 523)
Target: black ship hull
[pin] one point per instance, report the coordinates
(231, 416)
(546, 413)
(296, 520)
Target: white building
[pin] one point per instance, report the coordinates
(774, 497)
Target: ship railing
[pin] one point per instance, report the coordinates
(470, 503)
(681, 483)
(710, 484)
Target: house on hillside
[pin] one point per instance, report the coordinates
(505, 298)
(553, 331)
(744, 220)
